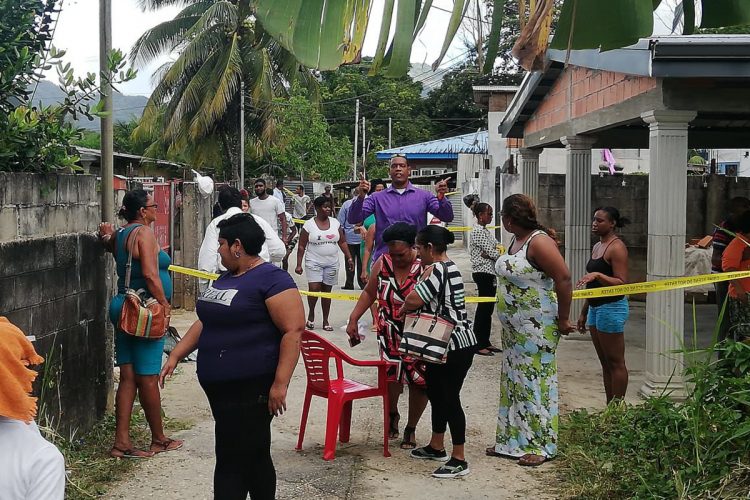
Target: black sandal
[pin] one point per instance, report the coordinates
(409, 444)
(393, 420)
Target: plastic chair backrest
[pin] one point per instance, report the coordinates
(316, 353)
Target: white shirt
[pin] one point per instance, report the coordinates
(31, 466)
(268, 209)
(322, 244)
(279, 195)
(208, 257)
(300, 205)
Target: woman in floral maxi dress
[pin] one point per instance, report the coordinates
(534, 294)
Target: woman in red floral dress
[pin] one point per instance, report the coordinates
(397, 273)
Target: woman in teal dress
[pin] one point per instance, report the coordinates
(534, 293)
(139, 358)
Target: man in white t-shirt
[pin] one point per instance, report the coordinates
(269, 208)
(30, 466)
(300, 205)
(230, 200)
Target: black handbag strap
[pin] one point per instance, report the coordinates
(440, 309)
(130, 246)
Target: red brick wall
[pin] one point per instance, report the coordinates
(579, 91)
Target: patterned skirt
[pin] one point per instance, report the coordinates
(402, 369)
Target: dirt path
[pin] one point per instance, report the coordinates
(360, 470)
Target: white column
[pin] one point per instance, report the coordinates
(577, 209)
(667, 199)
(530, 172)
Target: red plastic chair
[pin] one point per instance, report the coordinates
(340, 392)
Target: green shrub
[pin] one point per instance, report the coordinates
(666, 449)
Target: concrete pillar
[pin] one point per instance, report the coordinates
(530, 172)
(577, 209)
(667, 199)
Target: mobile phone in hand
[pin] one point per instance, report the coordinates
(353, 341)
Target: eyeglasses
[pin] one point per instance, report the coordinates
(151, 206)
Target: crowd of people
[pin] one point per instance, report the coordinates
(251, 318)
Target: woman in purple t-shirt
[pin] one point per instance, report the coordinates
(248, 336)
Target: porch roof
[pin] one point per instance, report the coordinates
(700, 59)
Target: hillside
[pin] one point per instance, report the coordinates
(126, 107)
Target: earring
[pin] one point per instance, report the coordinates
(237, 254)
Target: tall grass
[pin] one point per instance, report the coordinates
(698, 448)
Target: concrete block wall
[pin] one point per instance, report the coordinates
(706, 205)
(53, 285)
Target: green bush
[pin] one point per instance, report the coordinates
(666, 449)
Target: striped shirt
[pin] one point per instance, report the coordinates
(453, 306)
(720, 242)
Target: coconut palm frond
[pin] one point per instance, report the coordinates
(161, 39)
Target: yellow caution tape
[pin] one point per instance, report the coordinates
(299, 221)
(459, 229)
(353, 297)
(609, 291)
(659, 285)
(193, 272)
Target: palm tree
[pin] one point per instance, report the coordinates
(194, 109)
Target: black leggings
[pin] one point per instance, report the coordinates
(243, 440)
(444, 384)
(486, 287)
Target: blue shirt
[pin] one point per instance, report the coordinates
(239, 340)
(352, 236)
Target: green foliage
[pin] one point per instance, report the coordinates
(302, 143)
(452, 104)
(380, 98)
(663, 449)
(39, 139)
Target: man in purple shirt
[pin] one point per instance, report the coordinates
(401, 202)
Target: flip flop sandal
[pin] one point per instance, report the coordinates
(486, 352)
(492, 348)
(131, 453)
(409, 444)
(328, 328)
(166, 445)
(528, 461)
(310, 325)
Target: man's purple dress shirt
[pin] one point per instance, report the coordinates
(390, 207)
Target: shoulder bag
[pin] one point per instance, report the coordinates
(140, 316)
(427, 335)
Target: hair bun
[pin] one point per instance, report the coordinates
(450, 237)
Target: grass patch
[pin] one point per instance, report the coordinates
(90, 468)
(699, 448)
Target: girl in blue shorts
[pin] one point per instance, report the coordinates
(605, 317)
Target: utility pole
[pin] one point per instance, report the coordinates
(390, 131)
(364, 146)
(242, 134)
(106, 146)
(356, 140)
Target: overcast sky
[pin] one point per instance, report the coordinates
(78, 33)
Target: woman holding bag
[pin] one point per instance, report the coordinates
(441, 291)
(139, 358)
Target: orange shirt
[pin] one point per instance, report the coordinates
(737, 258)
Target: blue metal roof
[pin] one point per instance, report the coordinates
(441, 149)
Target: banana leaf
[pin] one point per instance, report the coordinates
(493, 42)
(721, 13)
(591, 24)
(402, 39)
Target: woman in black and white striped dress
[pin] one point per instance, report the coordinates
(444, 381)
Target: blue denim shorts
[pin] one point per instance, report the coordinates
(609, 318)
